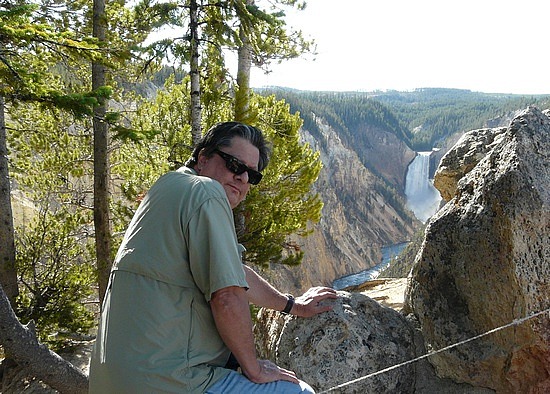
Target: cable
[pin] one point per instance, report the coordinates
(513, 323)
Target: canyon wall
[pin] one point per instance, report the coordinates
(362, 211)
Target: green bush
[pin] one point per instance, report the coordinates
(56, 277)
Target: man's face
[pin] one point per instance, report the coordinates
(236, 186)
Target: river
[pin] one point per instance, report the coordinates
(423, 199)
(388, 254)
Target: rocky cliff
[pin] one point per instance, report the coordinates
(485, 258)
(362, 211)
(477, 298)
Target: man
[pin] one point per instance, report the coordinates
(177, 309)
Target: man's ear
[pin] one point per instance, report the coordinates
(202, 160)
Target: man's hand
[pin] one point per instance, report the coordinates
(310, 303)
(270, 372)
(232, 316)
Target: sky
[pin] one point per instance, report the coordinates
(491, 46)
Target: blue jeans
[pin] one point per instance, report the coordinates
(237, 383)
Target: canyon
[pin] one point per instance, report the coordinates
(476, 303)
(365, 208)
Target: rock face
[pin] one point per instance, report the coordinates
(23, 209)
(358, 337)
(463, 157)
(385, 154)
(485, 259)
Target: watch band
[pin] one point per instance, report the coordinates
(289, 304)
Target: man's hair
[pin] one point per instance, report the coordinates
(221, 135)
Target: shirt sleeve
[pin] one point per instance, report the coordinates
(214, 253)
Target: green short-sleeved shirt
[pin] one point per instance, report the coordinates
(157, 332)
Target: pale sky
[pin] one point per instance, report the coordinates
(492, 46)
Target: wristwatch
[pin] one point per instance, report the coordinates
(289, 304)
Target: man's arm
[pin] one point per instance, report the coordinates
(231, 313)
(263, 294)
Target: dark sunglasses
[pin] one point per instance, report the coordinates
(236, 167)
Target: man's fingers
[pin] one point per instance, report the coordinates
(289, 376)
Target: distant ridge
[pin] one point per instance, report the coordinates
(424, 118)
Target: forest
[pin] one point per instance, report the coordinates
(423, 118)
(84, 131)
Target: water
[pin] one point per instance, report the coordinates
(388, 254)
(422, 197)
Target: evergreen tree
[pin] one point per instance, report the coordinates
(209, 31)
(29, 49)
(37, 58)
(281, 205)
(55, 246)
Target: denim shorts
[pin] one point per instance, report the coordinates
(237, 383)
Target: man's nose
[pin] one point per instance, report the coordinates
(243, 177)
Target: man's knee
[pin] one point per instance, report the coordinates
(237, 383)
(306, 388)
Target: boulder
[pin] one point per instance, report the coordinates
(357, 338)
(485, 260)
(463, 157)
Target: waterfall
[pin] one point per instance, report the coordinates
(422, 197)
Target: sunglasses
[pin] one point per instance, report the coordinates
(237, 167)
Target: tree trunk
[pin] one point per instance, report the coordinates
(20, 343)
(196, 109)
(242, 103)
(101, 163)
(8, 271)
(242, 97)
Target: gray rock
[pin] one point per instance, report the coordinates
(485, 261)
(463, 157)
(358, 337)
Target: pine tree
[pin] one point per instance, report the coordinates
(32, 54)
(281, 205)
(55, 258)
